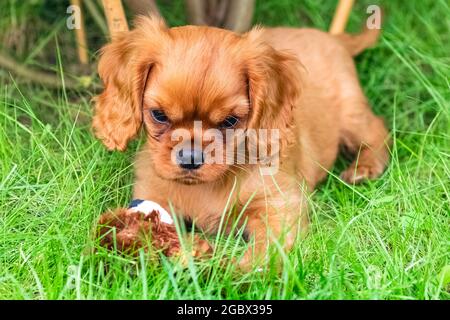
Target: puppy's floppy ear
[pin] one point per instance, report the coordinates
(274, 79)
(123, 67)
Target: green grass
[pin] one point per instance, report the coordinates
(387, 239)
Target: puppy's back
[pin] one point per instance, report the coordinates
(313, 41)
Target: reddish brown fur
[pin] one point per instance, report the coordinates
(301, 81)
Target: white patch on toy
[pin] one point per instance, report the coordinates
(148, 207)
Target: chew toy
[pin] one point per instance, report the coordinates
(147, 225)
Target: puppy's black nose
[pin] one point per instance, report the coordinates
(190, 158)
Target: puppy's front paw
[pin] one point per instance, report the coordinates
(201, 247)
(252, 261)
(361, 173)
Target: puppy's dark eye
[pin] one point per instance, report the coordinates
(229, 122)
(159, 116)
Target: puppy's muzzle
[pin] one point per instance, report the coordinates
(190, 158)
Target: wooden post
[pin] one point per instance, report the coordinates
(196, 12)
(80, 34)
(143, 7)
(341, 16)
(240, 15)
(235, 15)
(115, 16)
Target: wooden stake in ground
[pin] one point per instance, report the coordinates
(143, 7)
(235, 15)
(341, 15)
(115, 16)
(240, 15)
(81, 35)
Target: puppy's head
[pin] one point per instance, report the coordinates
(189, 86)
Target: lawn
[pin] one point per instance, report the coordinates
(387, 239)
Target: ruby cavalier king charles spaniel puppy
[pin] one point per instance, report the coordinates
(180, 84)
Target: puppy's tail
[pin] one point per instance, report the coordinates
(355, 44)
